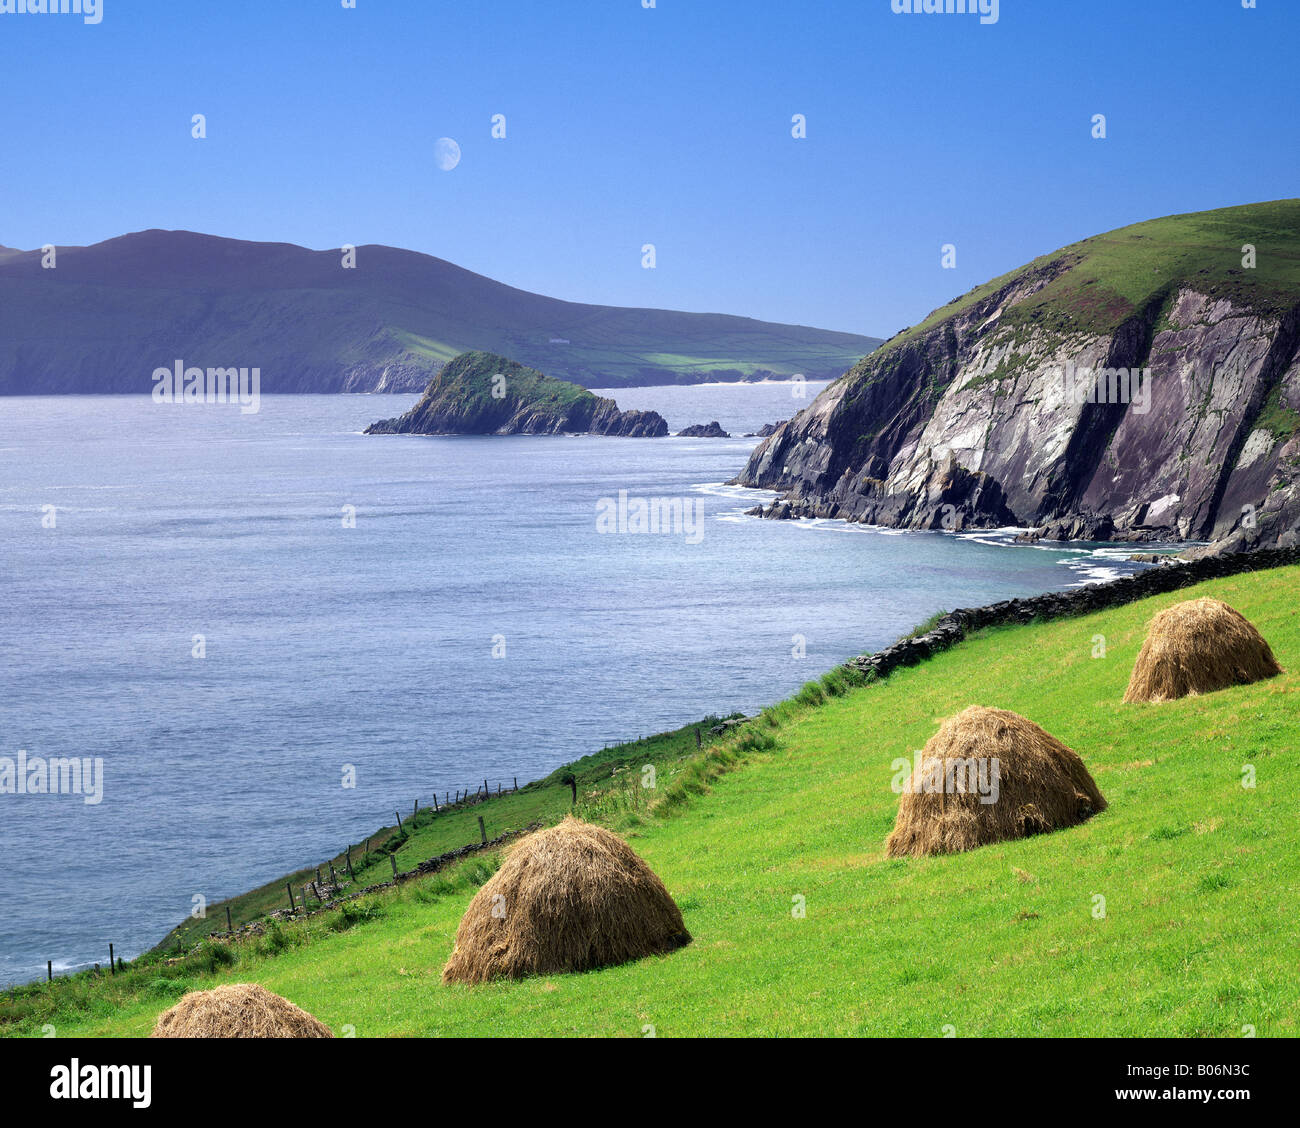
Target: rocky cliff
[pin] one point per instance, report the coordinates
(1140, 385)
(481, 393)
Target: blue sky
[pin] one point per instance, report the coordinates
(669, 126)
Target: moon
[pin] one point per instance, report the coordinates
(447, 153)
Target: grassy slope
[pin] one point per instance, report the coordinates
(603, 780)
(1109, 277)
(1199, 874)
(466, 386)
(464, 396)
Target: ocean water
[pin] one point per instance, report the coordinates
(326, 645)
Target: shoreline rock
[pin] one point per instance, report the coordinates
(703, 431)
(1047, 401)
(480, 393)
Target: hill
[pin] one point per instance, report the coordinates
(1194, 937)
(1140, 385)
(481, 393)
(107, 315)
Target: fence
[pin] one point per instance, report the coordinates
(324, 890)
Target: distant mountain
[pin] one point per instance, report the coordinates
(480, 393)
(1142, 384)
(107, 315)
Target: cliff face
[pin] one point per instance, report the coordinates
(1111, 391)
(481, 393)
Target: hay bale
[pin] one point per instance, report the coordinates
(1198, 646)
(238, 1010)
(570, 898)
(1040, 786)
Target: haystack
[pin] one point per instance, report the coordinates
(237, 1010)
(1198, 646)
(570, 898)
(986, 776)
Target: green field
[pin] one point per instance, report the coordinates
(1198, 873)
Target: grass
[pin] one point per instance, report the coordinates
(1276, 418)
(927, 625)
(1171, 913)
(1102, 281)
(607, 792)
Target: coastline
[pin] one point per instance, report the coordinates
(948, 630)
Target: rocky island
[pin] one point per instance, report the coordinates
(703, 431)
(480, 393)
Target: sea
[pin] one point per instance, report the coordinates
(232, 611)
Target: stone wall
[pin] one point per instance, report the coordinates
(954, 626)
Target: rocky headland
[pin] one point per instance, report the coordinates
(1142, 385)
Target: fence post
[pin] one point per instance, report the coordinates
(516, 783)
(230, 927)
(697, 738)
(393, 858)
(486, 790)
(49, 970)
(112, 960)
(399, 819)
(498, 787)
(435, 802)
(292, 906)
(416, 809)
(482, 830)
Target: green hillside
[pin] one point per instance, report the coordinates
(1199, 876)
(1097, 284)
(108, 314)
